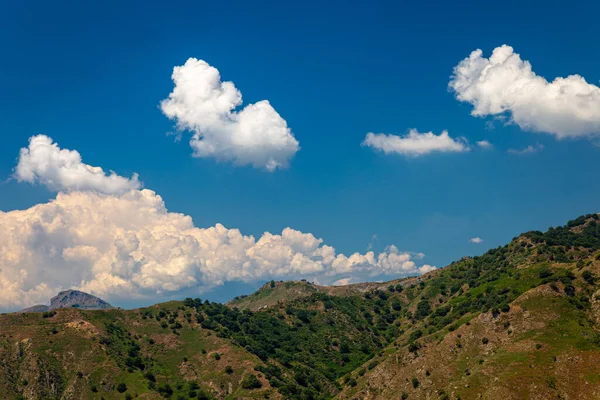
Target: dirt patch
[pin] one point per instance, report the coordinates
(84, 327)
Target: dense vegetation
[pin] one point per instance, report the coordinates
(311, 343)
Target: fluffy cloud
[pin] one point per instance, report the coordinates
(484, 144)
(203, 104)
(60, 169)
(129, 245)
(415, 143)
(504, 83)
(342, 282)
(527, 150)
(476, 240)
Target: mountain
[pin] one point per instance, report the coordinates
(36, 308)
(521, 321)
(71, 299)
(77, 299)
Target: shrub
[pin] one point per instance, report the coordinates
(545, 273)
(229, 370)
(150, 376)
(588, 277)
(415, 382)
(413, 346)
(166, 390)
(372, 364)
(121, 387)
(485, 340)
(251, 382)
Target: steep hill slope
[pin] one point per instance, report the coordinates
(521, 321)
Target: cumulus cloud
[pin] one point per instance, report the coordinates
(527, 150)
(476, 240)
(343, 282)
(484, 144)
(423, 269)
(506, 84)
(130, 245)
(60, 169)
(415, 144)
(203, 104)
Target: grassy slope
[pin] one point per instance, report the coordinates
(545, 344)
(520, 321)
(72, 354)
(276, 293)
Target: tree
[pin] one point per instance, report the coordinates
(251, 382)
(121, 387)
(345, 348)
(415, 382)
(588, 277)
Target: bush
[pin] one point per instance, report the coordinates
(228, 370)
(415, 382)
(166, 390)
(121, 388)
(545, 273)
(485, 340)
(251, 382)
(588, 277)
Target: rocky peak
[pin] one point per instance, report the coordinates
(77, 299)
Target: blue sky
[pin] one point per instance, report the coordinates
(92, 78)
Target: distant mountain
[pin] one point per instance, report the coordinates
(521, 321)
(77, 299)
(72, 299)
(36, 308)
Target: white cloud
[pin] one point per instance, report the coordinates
(426, 268)
(527, 150)
(415, 143)
(476, 240)
(60, 169)
(484, 144)
(203, 104)
(343, 282)
(129, 245)
(504, 83)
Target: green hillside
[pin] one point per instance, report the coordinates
(521, 321)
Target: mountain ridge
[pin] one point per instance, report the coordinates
(520, 321)
(71, 299)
